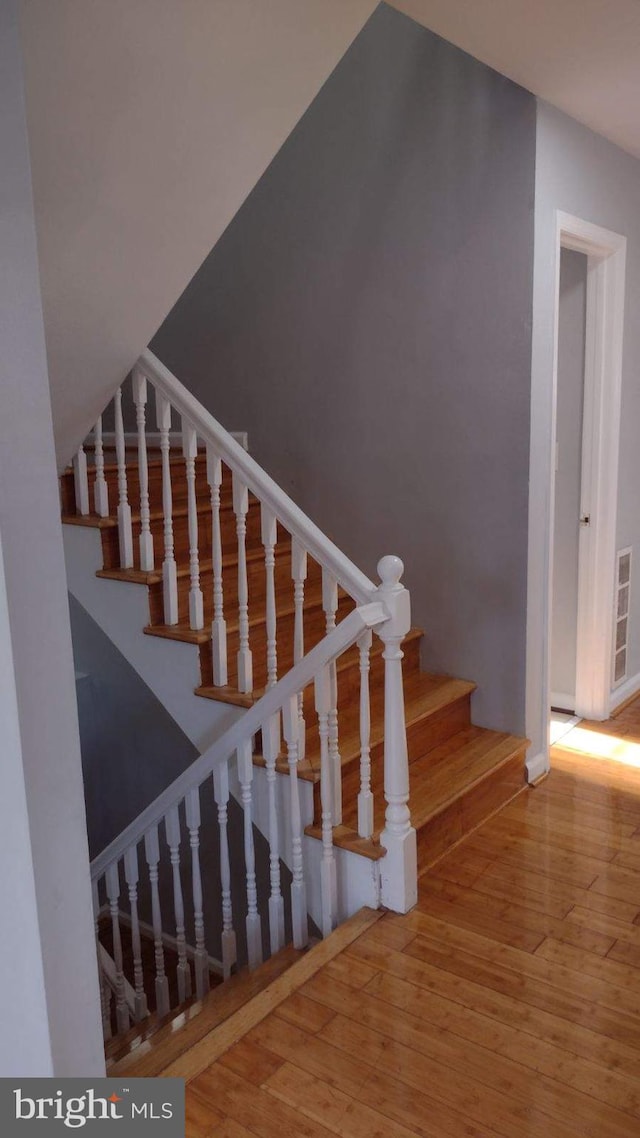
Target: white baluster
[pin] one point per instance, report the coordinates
(365, 797)
(299, 918)
(190, 451)
(219, 625)
(125, 531)
(105, 990)
(330, 606)
(270, 751)
(183, 971)
(269, 538)
(152, 854)
(328, 880)
(100, 488)
(201, 960)
(221, 795)
(399, 874)
(169, 571)
(146, 538)
(254, 930)
(81, 482)
(245, 661)
(131, 876)
(299, 575)
(113, 893)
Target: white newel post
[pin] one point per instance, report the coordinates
(81, 482)
(271, 750)
(219, 625)
(399, 868)
(221, 796)
(100, 488)
(169, 570)
(125, 531)
(146, 538)
(190, 451)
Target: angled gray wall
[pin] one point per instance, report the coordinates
(366, 316)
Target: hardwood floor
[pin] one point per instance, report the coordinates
(507, 1003)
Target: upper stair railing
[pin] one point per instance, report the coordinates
(280, 708)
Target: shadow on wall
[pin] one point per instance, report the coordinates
(367, 318)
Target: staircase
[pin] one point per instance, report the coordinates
(332, 725)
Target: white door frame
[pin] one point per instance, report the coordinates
(606, 256)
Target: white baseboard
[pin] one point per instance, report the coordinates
(562, 700)
(153, 439)
(626, 690)
(537, 766)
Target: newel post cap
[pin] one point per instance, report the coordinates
(395, 598)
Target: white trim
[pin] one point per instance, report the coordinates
(606, 252)
(536, 766)
(562, 700)
(153, 439)
(626, 690)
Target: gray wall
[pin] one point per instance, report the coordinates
(570, 397)
(582, 174)
(131, 747)
(40, 646)
(366, 316)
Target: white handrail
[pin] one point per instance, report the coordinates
(316, 543)
(333, 645)
(108, 966)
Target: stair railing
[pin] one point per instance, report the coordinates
(115, 873)
(227, 460)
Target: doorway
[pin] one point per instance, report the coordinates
(589, 309)
(572, 325)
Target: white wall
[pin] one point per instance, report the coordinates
(149, 122)
(40, 643)
(25, 1047)
(582, 174)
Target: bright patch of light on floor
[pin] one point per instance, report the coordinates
(559, 724)
(600, 746)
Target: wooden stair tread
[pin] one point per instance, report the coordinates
(425, 695)
(457, 767)
(154, 576)
(257, 620)
(157, 1046)
(348, 660)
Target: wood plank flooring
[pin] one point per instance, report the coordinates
(506, 1004)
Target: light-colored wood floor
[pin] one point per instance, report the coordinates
(507, 1003)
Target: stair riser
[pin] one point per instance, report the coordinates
(178, 485)
(110, 551)
(422, 737)
(458, 820)
(257, 588)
